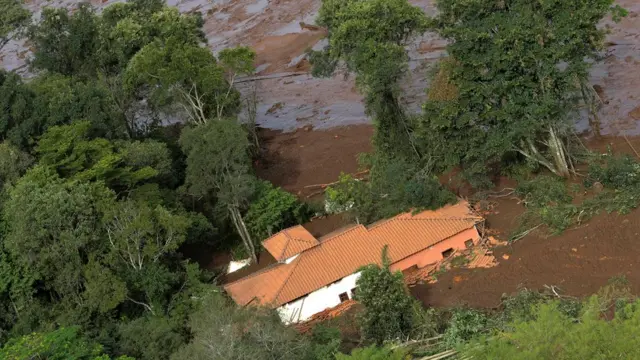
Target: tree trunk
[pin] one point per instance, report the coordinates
(243, 232)
(557, 151)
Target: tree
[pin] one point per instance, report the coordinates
(520, 69)
(52, 227)
(53, 99)
(173, 72)
(370, 37)
(218, 165)
(63, 343)
(394, 185)
(126, 28)
(13, 163)
(388, 309)
(273, 210)
(16, 99)
(64, 43)
(551, 334)
(71, 151)
(139, 234)
(224, 331)
(13, 19)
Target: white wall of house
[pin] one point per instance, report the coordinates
(321, 299)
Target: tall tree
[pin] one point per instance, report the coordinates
(64, 43)
(519, 69)
(218, 167)
(172, 72)
(53, 226)
(221, 333)
(13, 19)
(370, 37)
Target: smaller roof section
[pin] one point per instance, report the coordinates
(290, 242)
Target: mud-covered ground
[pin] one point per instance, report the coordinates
(273, 28)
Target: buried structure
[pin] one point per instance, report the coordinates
(312, 274)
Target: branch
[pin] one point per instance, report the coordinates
(146, 306)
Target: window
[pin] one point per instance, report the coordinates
(343, 297)
(353, 293)
(468, 243)
(447, 253)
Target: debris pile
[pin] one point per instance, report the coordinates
(324, 315)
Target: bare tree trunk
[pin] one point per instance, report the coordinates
(238, 222)
(557, 151)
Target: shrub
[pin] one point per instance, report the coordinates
(273, 210)
(464, 325)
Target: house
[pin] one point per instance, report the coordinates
(312, 274)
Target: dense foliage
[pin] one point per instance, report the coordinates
(519, 69)
(388, 308)
(98, 199)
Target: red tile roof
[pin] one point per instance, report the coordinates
(342, 254)
(289, 242)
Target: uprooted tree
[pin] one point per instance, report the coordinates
(520, 72)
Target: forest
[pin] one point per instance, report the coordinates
(125, 146)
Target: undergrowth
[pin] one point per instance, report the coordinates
(614, 182)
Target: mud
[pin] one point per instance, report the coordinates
(273, 28)
(296, 160)
(579, 262)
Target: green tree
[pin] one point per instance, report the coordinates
(218, 167)
(64, 43)
(13, 19)
(520, 69)
(220, 331)
(140, 234)
(394, 185)
(63, 343)
(71, 151)
(184, 74)
(125, 28)
(13, 163)
(16, 100)
(552, 334)
(53, 99)
(52, 227)
(273, 210)
(388, 309)
(325, 342)
(370, 37)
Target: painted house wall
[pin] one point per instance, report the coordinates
(321, 299)
(433, 253)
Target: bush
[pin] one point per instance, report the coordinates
(464, 325)
(273, 210)
(394, 185)
(616, 172)
(543, 191)
(325, 342)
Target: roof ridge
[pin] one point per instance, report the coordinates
(284, 283)
(357, 226)
(284, 248)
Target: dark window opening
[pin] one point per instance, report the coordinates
(468, 243)
(353, 293)
(343, 297)
(447, 253)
